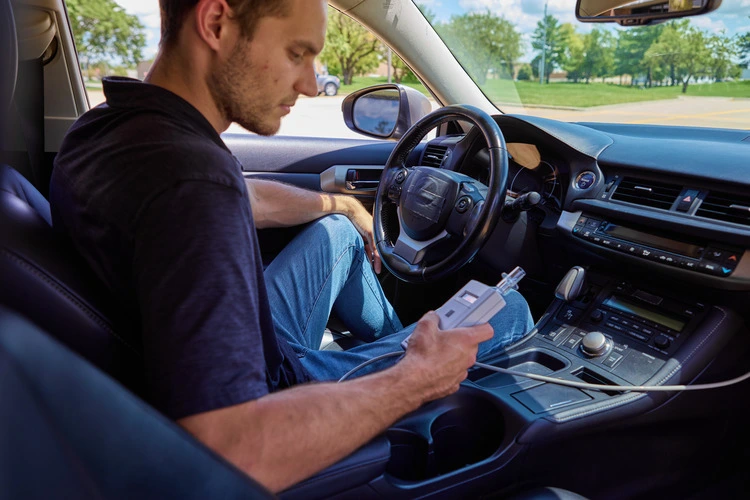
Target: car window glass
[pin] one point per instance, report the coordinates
(318, 116)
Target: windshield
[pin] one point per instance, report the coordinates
(690, 72)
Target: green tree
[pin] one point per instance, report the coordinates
(549, 37)
(524, 72)
(574, 52)
(104, 32)
(683, 50)
(743, 46)
(723, 52)
(483, 43)
(400, 70)
(599, 54)
(631, 49)
(350, 49)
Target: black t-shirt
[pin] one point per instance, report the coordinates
(156, 203)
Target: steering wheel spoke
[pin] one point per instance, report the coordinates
(414, 251)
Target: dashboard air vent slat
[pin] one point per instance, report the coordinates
(648, 193)
(433, 156)
(727, 207)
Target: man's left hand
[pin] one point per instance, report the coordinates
(362, 220)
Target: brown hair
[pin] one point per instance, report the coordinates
(246, 12)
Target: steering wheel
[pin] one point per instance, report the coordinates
(428, 221)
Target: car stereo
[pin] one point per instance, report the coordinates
(710, 259)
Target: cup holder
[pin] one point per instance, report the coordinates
(460, 436)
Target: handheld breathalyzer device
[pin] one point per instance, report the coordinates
(475, 303)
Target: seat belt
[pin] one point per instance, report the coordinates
(29, 104)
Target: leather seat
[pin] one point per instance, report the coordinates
(46, 280)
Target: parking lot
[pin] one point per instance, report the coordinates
(321, 116)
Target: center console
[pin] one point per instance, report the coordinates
(613, 333)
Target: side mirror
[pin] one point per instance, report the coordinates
(384, 111)
(640, 12)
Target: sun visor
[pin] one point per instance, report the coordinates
(36, 30)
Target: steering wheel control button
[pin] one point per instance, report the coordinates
(464, 203)
(585, 180)
(400, 177)
(394, 192)
(595, 344)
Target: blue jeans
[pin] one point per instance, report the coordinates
(325, 269)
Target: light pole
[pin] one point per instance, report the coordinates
(543, 62)
(389, 65)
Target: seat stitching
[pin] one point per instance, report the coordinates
(76, 301)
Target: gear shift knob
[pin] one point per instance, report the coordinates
(571, 285)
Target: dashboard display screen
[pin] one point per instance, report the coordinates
(651, 240)
(662, 319)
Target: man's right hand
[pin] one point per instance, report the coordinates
(438, 360)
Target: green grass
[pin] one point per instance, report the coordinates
(597, 94)
(360, 82)
(575, 94)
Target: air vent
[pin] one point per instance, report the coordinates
(648, 193)
(727, 207)
(434, 155)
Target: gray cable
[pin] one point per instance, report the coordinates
(369, 362)
(571, 383)
(635, 388)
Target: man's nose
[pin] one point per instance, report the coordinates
(307, 84)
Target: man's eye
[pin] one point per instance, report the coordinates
(295, 56)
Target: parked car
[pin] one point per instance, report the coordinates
(328, 84)
(636, 247)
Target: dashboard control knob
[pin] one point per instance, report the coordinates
(597, 316)
(662, 341)
(595, 344)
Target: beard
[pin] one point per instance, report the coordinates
(237, 89)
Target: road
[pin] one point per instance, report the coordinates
(321, 116)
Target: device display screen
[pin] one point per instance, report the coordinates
(651, 240)
(469, 297)
(626, 306)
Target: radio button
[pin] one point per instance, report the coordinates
(638, 336)
(710, 268)
(690, 264)
(715, 255)
(633, 249)
(592, 223)
(662, 341)
(731, 260)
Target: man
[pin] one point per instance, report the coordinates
(154, 200)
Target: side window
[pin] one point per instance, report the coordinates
(337, 72)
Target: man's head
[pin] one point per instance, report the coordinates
(256, 56)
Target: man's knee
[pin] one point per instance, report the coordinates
(340, 231)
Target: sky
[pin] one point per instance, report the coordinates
(731, 16)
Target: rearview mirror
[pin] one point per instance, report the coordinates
(640, 12)
(384, 111)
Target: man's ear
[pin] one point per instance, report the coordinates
(212, 22)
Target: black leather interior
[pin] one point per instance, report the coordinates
(69, 431)
(45, 280)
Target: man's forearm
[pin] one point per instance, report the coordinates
(274, 438)
(276, 204)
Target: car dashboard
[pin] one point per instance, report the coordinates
(666, 200)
